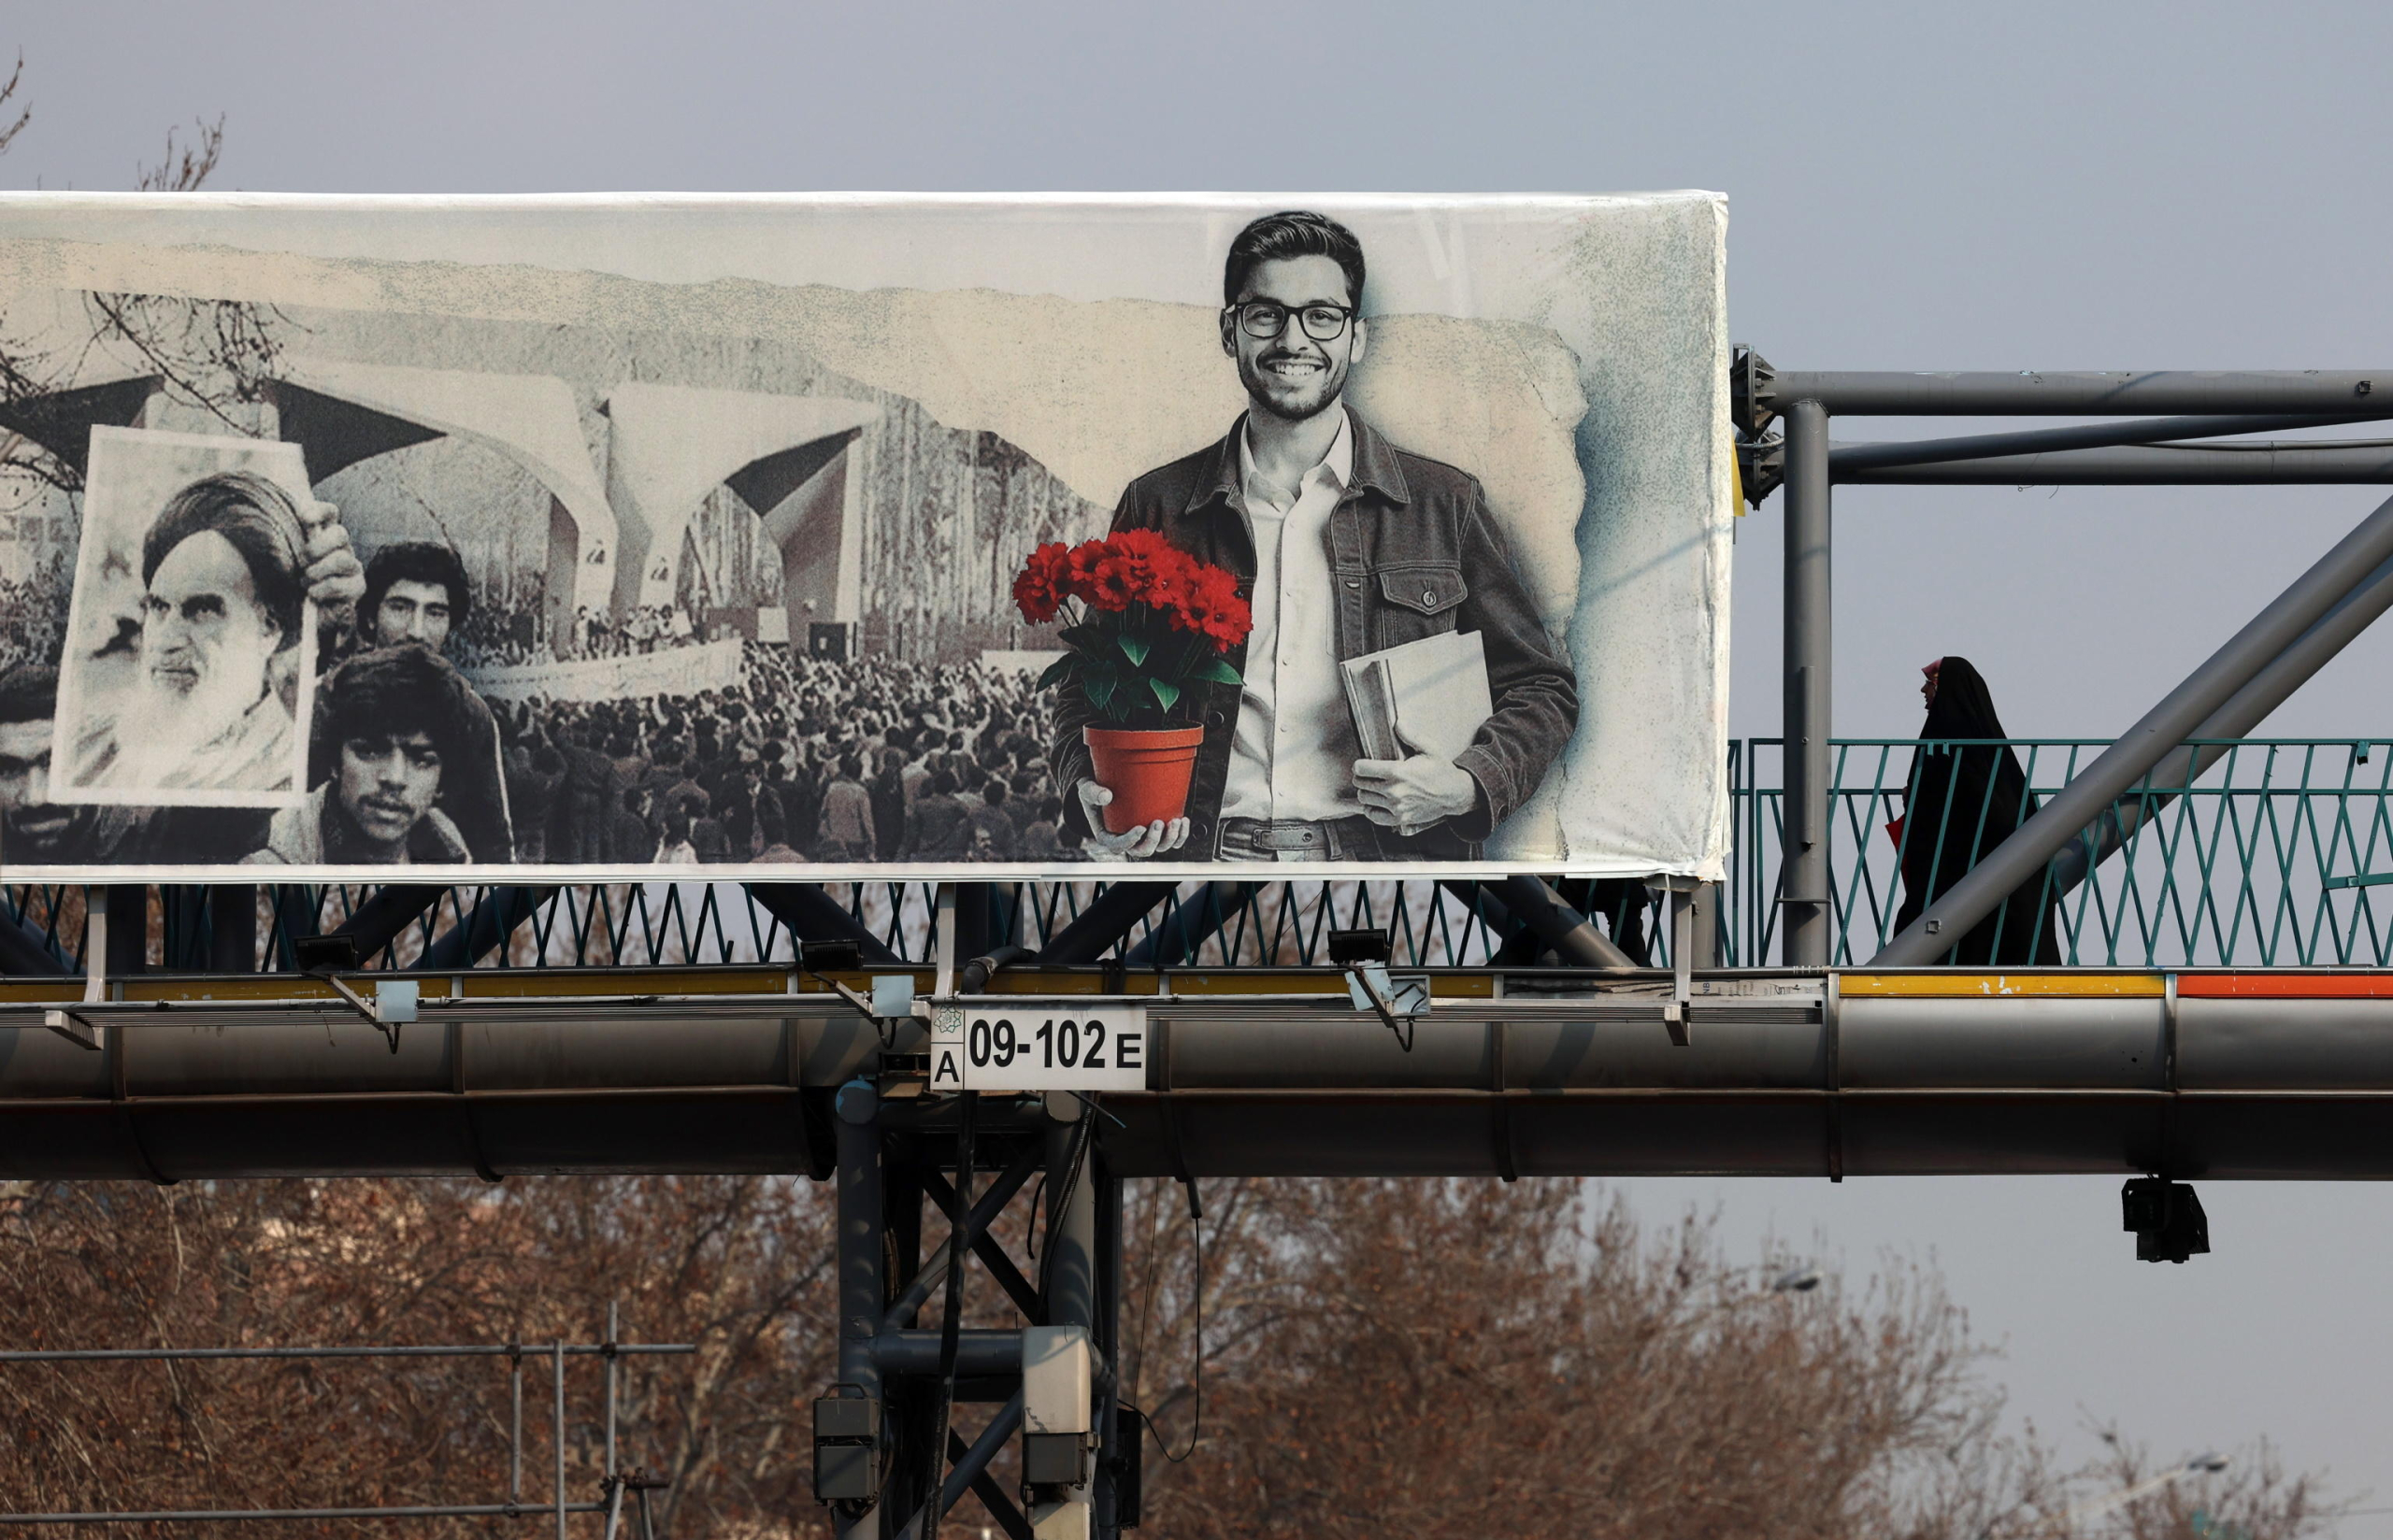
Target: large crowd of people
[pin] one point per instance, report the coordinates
(804, 760)
(33, 614)
(643, 628)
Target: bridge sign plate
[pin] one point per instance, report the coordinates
(1023, 1044)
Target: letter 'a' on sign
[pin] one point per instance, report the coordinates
(560, 525)
(947, 1049)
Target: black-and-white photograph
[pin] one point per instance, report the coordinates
(1374, 535)
(186, 676)
(1344, 547)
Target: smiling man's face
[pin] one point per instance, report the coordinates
(1293, 376)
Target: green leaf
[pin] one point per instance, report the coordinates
(1132, 647)
(1101, 689)
(1216, 671)
(1057, 671)
(1168, 695)
(1084, 636)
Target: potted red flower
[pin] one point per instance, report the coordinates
(1146, 623)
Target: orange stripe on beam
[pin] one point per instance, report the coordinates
(1949, 986)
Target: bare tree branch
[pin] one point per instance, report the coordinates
(8, 94)
(186, 166)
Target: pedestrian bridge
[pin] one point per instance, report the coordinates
(2280, 854)
(2222, 1010)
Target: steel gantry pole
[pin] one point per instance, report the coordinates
(2034, 393)
(862, 1262)
(1805, 864)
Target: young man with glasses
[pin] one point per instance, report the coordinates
(1344, 544)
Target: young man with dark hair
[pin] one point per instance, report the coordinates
(34, 830)
(1345, 545)
(393, 718)
(415, 592)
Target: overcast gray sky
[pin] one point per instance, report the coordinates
(2025, 185)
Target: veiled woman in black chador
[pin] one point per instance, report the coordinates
(1959, 804)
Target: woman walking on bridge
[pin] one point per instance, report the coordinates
(1964, 797)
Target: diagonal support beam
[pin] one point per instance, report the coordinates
(970, 1468)
(993, 1497)
(2246, 709)
(811, 915)
(25, 951)
(1105, 923)
(1192, 924)
(493, 920)
(378, 921)
(1571, 934)
(2022, 857)
(985, 1208)
(991, 1251)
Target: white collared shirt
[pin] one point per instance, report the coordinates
(1294, 754)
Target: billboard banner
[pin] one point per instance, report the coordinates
(862, 535)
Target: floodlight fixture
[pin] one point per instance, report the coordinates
(830, 956)
(1352, 948)
(333, 953)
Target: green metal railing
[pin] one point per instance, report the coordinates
(2279, 854)
(2272, 857)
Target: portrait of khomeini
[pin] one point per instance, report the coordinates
(200, 696)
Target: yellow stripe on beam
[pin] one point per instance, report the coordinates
(1948, 986)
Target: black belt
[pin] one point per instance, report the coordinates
(1331, 839)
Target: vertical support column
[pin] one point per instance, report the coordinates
(296, 906)
(863, 1284)
(1804, 856)
(128, 945)
(1113, 1463)
(182, 909)
(233, 928)
(975, 923)
(1069, 1282)
(910, 1403)
(1703, 951)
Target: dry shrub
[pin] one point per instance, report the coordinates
(1400, 1358)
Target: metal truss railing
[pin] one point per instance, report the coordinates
(2272, 857)
(1458, 923)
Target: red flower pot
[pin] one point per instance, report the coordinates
(1147, 770)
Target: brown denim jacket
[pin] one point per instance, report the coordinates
(1413, 553)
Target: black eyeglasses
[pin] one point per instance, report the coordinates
(1267, 319)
